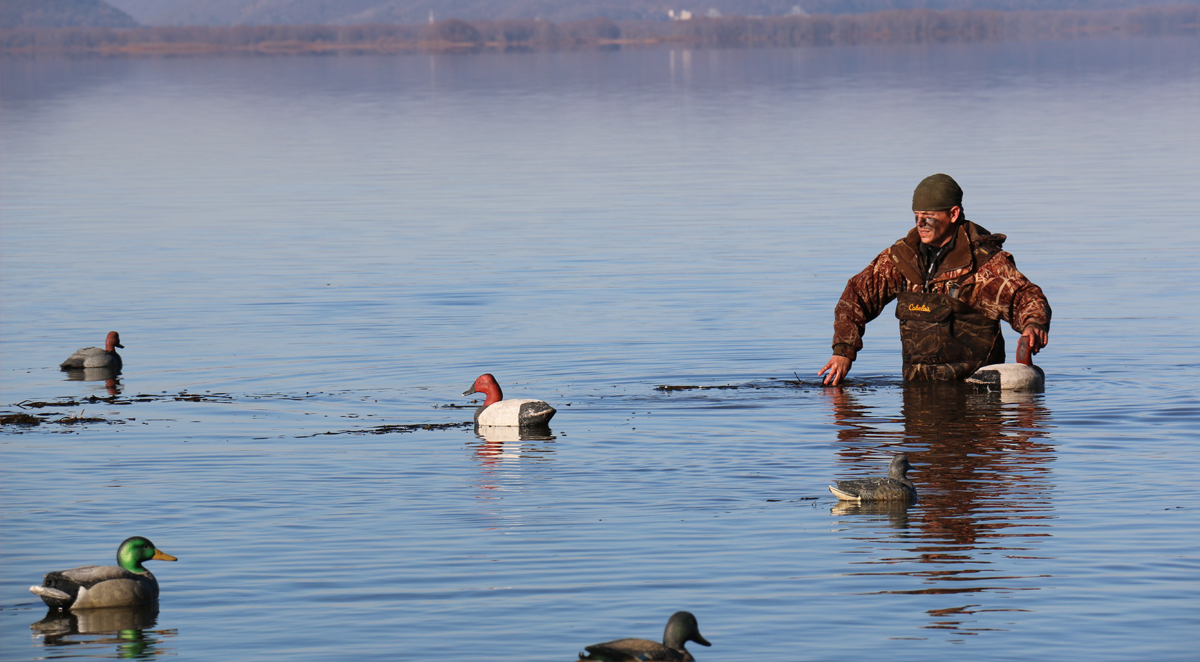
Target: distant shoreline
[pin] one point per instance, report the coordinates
(453, 35)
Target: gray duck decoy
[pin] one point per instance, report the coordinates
(95, 357)
(92, 586)
(896, 487)
(681, 628)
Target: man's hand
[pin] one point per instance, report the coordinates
(838, 366)
(1037, 338)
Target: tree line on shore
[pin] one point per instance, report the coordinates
(897, 26)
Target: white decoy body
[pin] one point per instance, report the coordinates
(96, 357)
(1019, 376)
(507, 413)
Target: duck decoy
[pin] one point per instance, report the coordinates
(95, 357)
(896, 487)
(513, 413)
(681, 628)
(125, 585)
(1019, 376)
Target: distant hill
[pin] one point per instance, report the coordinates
(62, 14)
(294, 12)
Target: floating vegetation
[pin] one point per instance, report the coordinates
(182, 396)
(20, 419)
(29, 420)
(64, 418)
(80, 418)
(397, 429)
(668, 388)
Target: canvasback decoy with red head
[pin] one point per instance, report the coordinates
(507, 413)
(95, 357)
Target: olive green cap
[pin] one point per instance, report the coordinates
(937, 193)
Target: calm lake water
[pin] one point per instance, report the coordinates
(302, 254)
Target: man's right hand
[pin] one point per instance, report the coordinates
(838, 366)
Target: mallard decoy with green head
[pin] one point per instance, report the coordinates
(125, 585)
(681, 628)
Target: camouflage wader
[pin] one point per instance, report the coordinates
(944, 339)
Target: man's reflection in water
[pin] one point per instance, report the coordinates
(987, 468)
(982, 474)
(128, 628)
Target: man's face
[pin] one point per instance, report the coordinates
(936, 227)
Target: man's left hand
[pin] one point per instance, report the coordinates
(1037, 338)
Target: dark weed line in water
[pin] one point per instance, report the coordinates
(396, 429)
(28, 420)
(182, 396)
(781, 383)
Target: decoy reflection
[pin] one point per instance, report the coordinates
(510, 447)
(896, 512)
(509, 444)
(507, 455)
(128, 628)
(109, 376)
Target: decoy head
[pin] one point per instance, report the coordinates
(899, 467)
(136, 550)
(113, 340)
(682, 627)
(487, 385)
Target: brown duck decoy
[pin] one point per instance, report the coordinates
(681, 628)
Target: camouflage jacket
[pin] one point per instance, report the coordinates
(976, 271)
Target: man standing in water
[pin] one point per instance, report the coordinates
(954, 285)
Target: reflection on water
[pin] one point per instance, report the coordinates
(128, 628)
(504, 453)
(496, 435)
(504, 448)
(109, 376)
(981, 469)
(896, 512)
